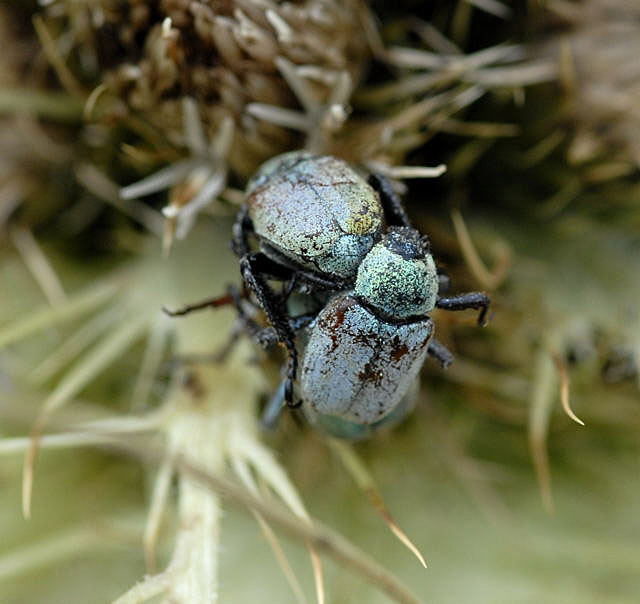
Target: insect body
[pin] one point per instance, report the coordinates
(345, 245)
(314, 213)
(362, 354)
(317, 223)
(367, 345)
(357, 365)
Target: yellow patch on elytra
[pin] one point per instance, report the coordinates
(363, 223)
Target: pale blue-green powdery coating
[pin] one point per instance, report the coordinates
(279, 163)
(357, 366)
(396, 286)
(342, 428)
(316, 211)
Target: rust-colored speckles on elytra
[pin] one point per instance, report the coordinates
(399, 350)
(371, 373)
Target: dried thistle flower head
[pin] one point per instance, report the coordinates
(225, 55)
(228, 82)
(600, 55)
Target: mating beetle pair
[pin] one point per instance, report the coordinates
(345, 247)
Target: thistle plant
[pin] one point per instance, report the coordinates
(128, 133)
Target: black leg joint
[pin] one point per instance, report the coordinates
(440, 353)
(242, 228)
(394, 211)
(208, 303)
(254, 267)
(288, 394)
(476, 300)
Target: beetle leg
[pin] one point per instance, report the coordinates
(301, 275)
(208, 303)
(231, 297)
(254, 267)
(477, 300)
(322, 283)
(289, 287)
(267, 337)
(440, 353)
(242, 228)
(273, 409)
(394, 211)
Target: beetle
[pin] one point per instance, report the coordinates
(367, 345)
(361, 354)
(325, 231)
(336, 426)
(350, 359)
(316, 221)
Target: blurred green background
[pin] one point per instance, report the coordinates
(533, 108)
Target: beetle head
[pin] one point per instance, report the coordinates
(398, 276)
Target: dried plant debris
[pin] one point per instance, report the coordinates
(598, 46)
(235, 83)
(225, 55)
(123, 122)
